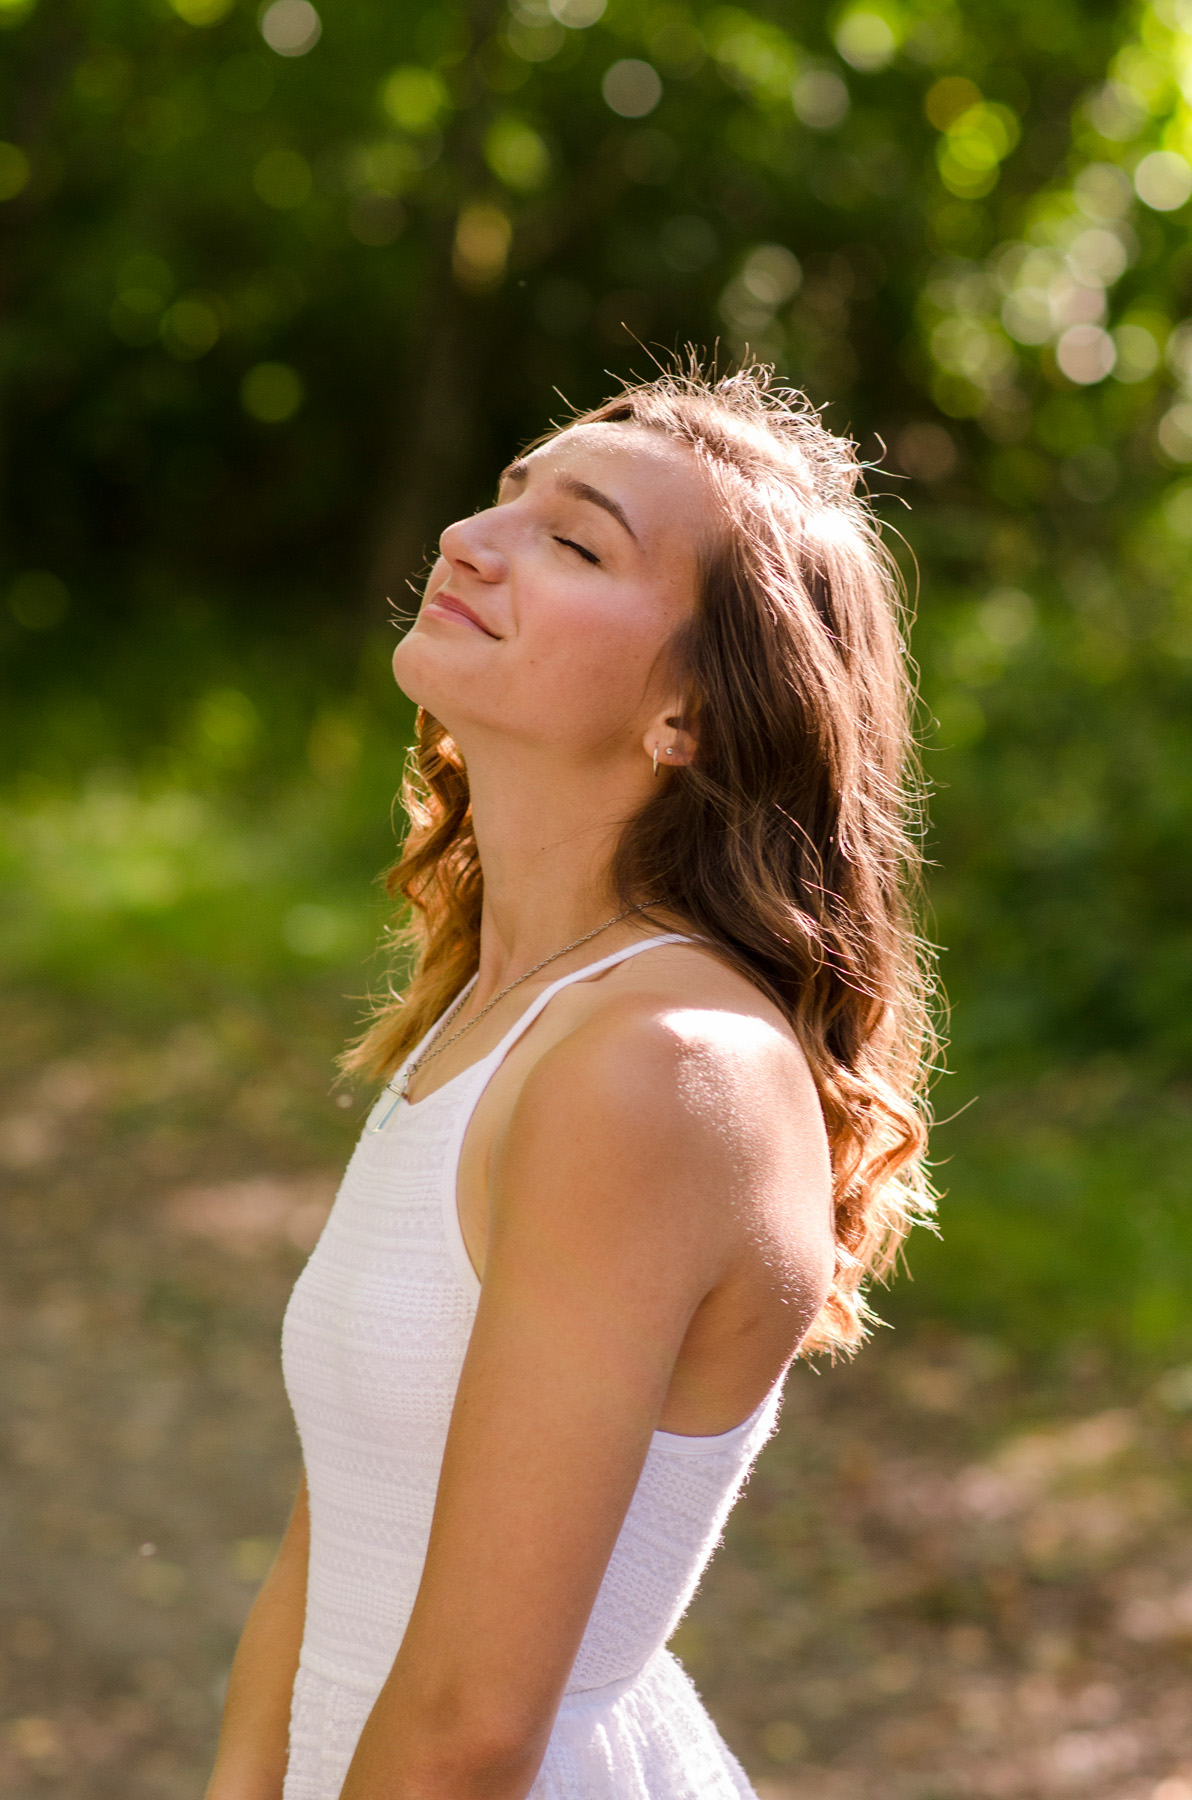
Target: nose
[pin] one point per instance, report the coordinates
(470, 544)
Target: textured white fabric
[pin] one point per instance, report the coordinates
(372, 1348)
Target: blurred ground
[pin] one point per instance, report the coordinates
(954, 1574)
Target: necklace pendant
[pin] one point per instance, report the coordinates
(399, 1095)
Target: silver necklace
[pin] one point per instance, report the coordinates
(439, 1043)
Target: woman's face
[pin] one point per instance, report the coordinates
(544, 617)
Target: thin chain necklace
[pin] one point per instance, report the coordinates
(439, 1043)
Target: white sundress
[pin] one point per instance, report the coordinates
(372, 1348)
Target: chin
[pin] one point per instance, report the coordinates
(410, 671)
(422, 669)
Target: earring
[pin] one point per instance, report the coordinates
(669, 751)
(655, 762)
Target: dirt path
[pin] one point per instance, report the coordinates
(951, 1576)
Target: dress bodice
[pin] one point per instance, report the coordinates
(373, 1345)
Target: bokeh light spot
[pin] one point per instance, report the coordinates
(783, 1741)
(577, 14)
(1103, 192)
(820, 98)
(926, 451)
(1116, 112)
(1090, 474)
(272, 392)
(1163, 180)
(483, 235)
(1086, 354)
(631, 88)
(1137, 353)
(313, 931)
(772, 273)
(282, 179)
(227, 725)
(202, 13)
(517, 155)
(414, 98)
(947, 99)
(14, 171)
(867, 39)
(1175, 432)
(291, 27)
(38, 600)
(191, 327)
(533, 33)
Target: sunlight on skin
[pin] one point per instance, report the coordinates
(546, 615)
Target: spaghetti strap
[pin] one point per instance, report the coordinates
(522, 1024)
(474, 1080)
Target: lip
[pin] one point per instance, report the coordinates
(450, 606)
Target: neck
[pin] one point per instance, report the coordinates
(546, 840)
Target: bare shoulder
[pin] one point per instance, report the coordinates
(685, 1049)
(673, 1133)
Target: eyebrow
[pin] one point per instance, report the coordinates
(579, 490)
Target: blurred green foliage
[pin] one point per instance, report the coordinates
(283, 287)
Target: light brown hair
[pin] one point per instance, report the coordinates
(790, 841)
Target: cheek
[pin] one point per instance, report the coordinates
(593, 661)
(609, 636)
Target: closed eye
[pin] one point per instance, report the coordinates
(588, 555)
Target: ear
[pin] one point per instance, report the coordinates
(673, 736)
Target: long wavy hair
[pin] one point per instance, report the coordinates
(790, 843)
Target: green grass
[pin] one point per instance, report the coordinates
(152, 890)
(239, 855)
(1064, 1215)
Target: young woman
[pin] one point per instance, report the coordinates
(652, 1113)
